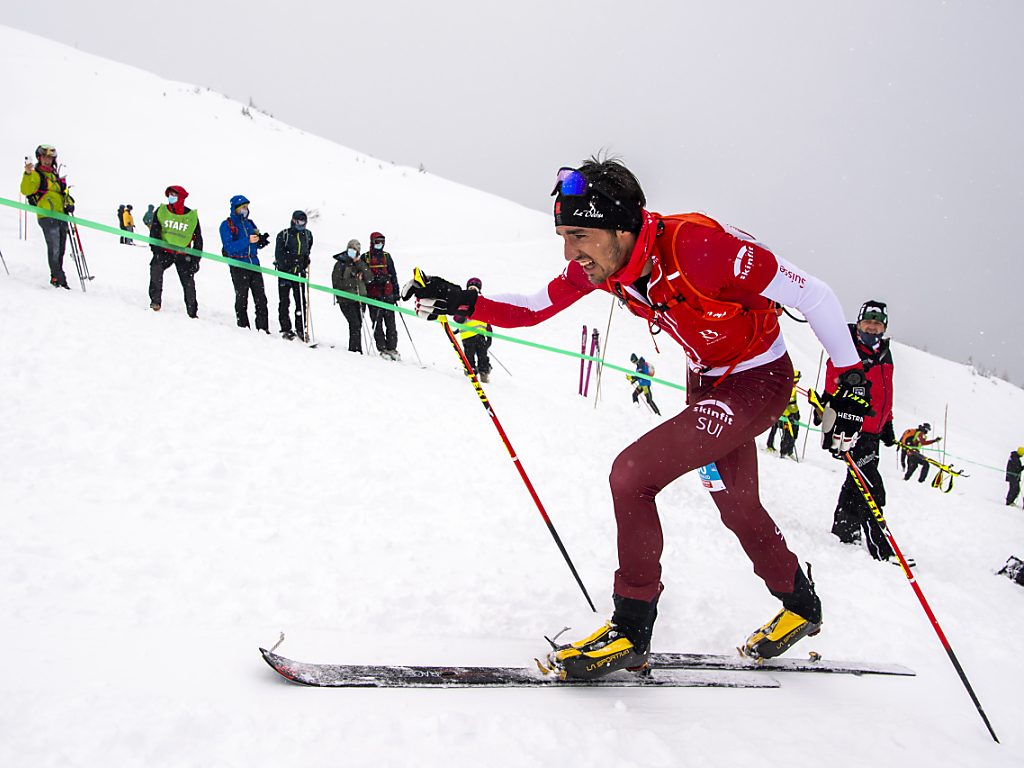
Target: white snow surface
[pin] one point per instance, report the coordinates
(175, 492)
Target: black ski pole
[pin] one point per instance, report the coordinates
(5, 263)
(862, 485)
(418, 276)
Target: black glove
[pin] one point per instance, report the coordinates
(264, 240)
(436, 297)
(888, 436)
(844, 412)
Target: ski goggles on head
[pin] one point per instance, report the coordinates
(570, 182)
(603, 211)
(45, 150)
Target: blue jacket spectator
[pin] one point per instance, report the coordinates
(242, 240)
(235, 232)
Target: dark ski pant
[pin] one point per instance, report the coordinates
(853, 517)
(385, 336)
(718, 426)
(476, 347)
(286, 290)
(646, 391)
(914, 461)
(55, 234)
(788, 442)
(353, 312)
(1013, 491)
(246, 280)
(158, 265)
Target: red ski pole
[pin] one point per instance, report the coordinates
(511, 452)
(862, 486)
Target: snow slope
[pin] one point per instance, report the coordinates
(175, 492)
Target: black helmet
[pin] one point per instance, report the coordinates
(926, 427)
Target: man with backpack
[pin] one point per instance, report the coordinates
(242, 240)
(716, 291)
(291, 255)
(178, 226)
(383, 286)
(642, 382)
(912, 446)
(44, 188)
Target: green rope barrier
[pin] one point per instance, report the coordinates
(316, 287)
(372, 302)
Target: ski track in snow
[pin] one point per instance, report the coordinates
(175, 492)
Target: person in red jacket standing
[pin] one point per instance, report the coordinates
(852, 515)
(714, 290)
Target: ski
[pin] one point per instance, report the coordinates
(395, 676)
(815, 663)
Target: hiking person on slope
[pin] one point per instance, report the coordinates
(642, 382)
(711, 288)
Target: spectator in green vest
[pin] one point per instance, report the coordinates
(44, 188)
(178, 226)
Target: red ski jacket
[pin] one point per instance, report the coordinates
(878, 367)
(713, 288)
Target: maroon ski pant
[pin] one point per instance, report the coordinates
(719, 425)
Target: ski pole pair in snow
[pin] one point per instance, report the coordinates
(594, 345)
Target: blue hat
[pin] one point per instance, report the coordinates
(238, 200)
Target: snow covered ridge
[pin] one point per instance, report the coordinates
(176, 492)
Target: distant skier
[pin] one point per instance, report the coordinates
(913, 446)
(383, 286)
(642, 382)
(1013, 471)
(474, 344)
(44, 188)
(852, 517)
(147, 217)
(241, 240)
(351, 275)
(713, 289)
(789, 423)
(291, 255)
(178, 226)
(120, 223)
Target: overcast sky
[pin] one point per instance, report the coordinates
(876, 144)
